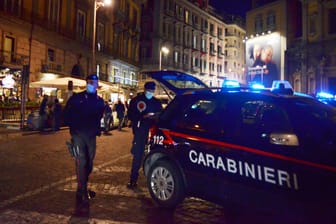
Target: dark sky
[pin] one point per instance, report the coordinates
(236, 7)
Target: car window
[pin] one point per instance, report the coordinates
(195, 114)
(258, 119)
(316, 123)
(200, 116)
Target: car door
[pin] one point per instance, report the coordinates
(252, 167)
(269, 158)
(194, 129)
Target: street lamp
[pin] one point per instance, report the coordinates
(164, 50)
(97, 4)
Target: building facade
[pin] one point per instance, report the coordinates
(199, 41)
(306, 34)
(55, 39)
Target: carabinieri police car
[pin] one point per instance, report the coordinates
(251, 144)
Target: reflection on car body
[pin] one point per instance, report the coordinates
(214, 144)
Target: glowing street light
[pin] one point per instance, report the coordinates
(97, 4)
(164, 50)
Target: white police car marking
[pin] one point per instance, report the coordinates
(158, 139)
(245, 169)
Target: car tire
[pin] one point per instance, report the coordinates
(165, 184)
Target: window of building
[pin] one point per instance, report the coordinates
(9, 48)
(312, 24)
(100, 36)
(204, 45)
(12, 6)
(211, 66)
(219, 68)
(195, 62)
(331, 21)
(51, 54)
(164, 28)
(205, 25)
(220, 32)
(127, 10)
(195, 19)
(219, 49)
(80, 27)
(194, 41)
(212, 47)
(185, 59)
(212, 29)
(176, 57)
(186, 16)
(270, 21)
(54, 11)
(258, 24)
(135, 18)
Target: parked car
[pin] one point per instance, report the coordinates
(250, 145)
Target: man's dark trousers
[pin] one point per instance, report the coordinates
(139, 141)
(84, 162)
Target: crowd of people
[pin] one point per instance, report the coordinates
(50, 114)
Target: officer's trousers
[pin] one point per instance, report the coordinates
(140, 137)
(84, 162)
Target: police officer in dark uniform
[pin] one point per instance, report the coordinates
(142, 112)
(82, 114)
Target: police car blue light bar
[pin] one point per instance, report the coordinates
(257, 86)
(230, 84)
(325, 95)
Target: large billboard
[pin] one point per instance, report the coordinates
(263, 59)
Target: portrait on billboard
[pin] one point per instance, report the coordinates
(263, 59)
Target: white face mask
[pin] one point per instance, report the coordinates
(149, 95)
(90, 88)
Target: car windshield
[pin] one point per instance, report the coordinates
(183, 84)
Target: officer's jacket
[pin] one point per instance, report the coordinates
(139, 106)
(83, 113)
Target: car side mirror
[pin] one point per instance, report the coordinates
(284, 139)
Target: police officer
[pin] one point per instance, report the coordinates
(82, 114)
(142, 112)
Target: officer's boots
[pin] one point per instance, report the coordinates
(132, 184)
(84, 196)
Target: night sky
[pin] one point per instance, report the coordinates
(236, 7)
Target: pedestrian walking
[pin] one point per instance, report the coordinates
(143, 110)
(43, 112)
(82, 114)
(107, 118)
(56, 115)
(120, 108)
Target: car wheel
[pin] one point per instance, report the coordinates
(165, 184)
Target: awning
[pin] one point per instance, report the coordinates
(62, 83)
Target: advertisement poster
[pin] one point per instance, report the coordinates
(263, 59)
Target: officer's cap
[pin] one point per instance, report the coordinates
(92, 77)
(150, 85)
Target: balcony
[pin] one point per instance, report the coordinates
(52, 67)
(12, 59)
(213, 52)
(231, 46)
(195, 69)
(205, 29)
